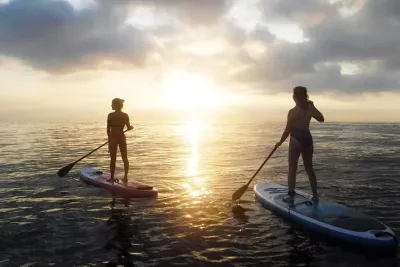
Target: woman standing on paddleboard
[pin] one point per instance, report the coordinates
(301, 142)
(116, 122)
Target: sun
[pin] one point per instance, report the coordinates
(188, 91)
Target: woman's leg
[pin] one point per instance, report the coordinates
(294, 154)
(124, 155)
(113, 155)
(307, 155)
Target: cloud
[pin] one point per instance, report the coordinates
(205, 12)
(56, 37)
(368, 36)
(53, 36)
(315, 48)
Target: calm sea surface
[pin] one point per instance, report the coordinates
(196, 167)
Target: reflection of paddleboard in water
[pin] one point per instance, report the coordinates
(133, 189)
(326, 217)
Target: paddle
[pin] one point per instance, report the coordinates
(239, 193)
(65, 170)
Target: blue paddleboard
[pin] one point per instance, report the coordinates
(325, 217)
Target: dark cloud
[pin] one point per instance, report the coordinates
(206, 12)
(53, 36)
(302, 11)
(383, 10)
(331, 79)
(369, 35)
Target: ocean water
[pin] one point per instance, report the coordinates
(196, 166)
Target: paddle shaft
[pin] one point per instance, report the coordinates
(94, 150)
(262, 165)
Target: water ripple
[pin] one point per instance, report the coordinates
(52, 221)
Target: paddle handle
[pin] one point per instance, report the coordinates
(95, 150)
(262, 165)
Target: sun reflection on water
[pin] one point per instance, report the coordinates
(195, 184)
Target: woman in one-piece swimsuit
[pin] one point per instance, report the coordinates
(301, 141)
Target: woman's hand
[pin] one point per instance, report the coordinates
(316, 113)
(278, 144)
(130, 127)
(311, 104)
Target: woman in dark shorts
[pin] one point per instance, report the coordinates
(301, 141)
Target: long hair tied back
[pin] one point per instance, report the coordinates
(300, 95)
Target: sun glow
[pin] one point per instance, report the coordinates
(205, 48)
(189, 91)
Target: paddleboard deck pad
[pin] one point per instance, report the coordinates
(133, 189)
(325, 217)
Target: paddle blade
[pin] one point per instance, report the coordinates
(239, 193)
(65, 170)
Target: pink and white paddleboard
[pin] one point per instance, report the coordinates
(133, 189)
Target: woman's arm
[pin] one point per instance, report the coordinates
(108, 127)
(316, 113)
(288, 128)
(108, 132)
(127, 123)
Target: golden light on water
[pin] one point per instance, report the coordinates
(195, 184)
(192, 135)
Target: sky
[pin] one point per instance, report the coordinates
(66, 59)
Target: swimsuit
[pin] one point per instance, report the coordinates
(117, 132)
(300, 133)
(303, 138)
